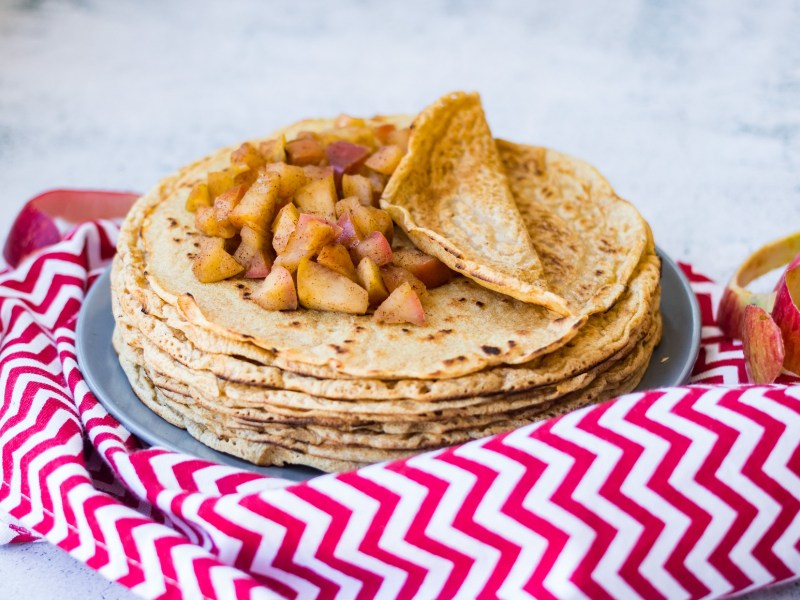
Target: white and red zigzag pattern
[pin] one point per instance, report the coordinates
(683, 492)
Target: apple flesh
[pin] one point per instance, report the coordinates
(308, 238)
(358, 186)
(283, 226)
(198, 197)
(292, 178)
(350, 234)
(374, 246)
(385, 160)
(762, 344)
(320, 288)
(429, 270)
(274, 151)
(277, 291)
(369, 219)
(394, 276)
(223, 207)
(318, 198)
(336, 258)
(369, 276)
(402, 306)
(305, 151)
(213, 263)
(787, 317)
(247, 155)
(346, 204)
(257, 207)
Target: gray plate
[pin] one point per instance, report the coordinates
(671, 365)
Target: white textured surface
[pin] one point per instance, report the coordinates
(692, 110)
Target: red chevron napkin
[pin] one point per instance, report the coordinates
(682, 492)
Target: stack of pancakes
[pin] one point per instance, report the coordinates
(337, 391)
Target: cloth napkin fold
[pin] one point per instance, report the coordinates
(689, 491)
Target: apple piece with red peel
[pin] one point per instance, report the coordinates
(346, 157)
(736, 297)
(376, 247)
(369, 276)
(762, 344)
(212, 263)
(382, 132)
(320, 288)
(308, 238)
(277, 291)
(254, 253)
(369, 219)
(351, 235)
(305, 151)
(787, 317)
(337, 258)
(394, 276)
(402, 306)
(429, 270)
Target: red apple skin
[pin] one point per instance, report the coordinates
(350, 235)
(402, 306)
(762, 344)
(375, 246)
(429, 270)
(787, 317)
(346, 157)
(260, 266)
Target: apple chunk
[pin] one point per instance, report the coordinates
(254, 253)
(308, 238)
(198, 197)
(375, 246)
(320, 288)
(369, 276)
(247, 155)
(346, 157)
(350, 234)
(277, 291)
(318, 198)
(358, 186)
(402, 306)
(394, 276)
(213, 263)
(429, 270)
(274, 151)
(292, 178)
(787, 317)
(336, 258)
(762, 344)
(385, 160)
(369, 219)
(283, 226)
(223, 207)
(305, 151)
(257, 207)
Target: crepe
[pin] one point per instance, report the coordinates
(452, 198)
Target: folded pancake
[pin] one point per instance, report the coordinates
(451, 196)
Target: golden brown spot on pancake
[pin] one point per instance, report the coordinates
(196, 244)
(445, 331)
(172, 222)
(359, 328)
(492, 350)
(240, 286)
(480, 304)
(512, 344)
(522, 332)
(295, 324)
(405, 330)
(348, 341)
(177, 240)
(339, 349)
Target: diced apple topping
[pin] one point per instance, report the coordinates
(337, 258)
(277, 291)
(198, 197)
(305, 151)
(374, 246)
(402, 306)
(369, 276)
(318, 198)
(321, 288)
(429, 270)
(301, 213)
(213, 263)
(283, 226)
(386, 159)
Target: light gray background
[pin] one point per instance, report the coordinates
(692, 110)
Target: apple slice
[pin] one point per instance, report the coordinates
(762, 344)
(385, 160)
(213, 263)
(292, 177)
(223, 206)
(358, 186)
(305, 151)
(429, 270)
(383, 132)
(394, 276)
(346, 157)
(199, 196)
(350, 235)
(346, 204)
(277, 291)
(318, 198)
(257, 207)
(402, 306)
(320, 288)
(283, 226)
(313, 172)
(254, 253)
(336, 258)
(369, 276)
(247, 155)
(369, 219)
(274, 151)
(787, 317)
(205, 222)
(308, 238)
(400, 138)
(375, 246)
